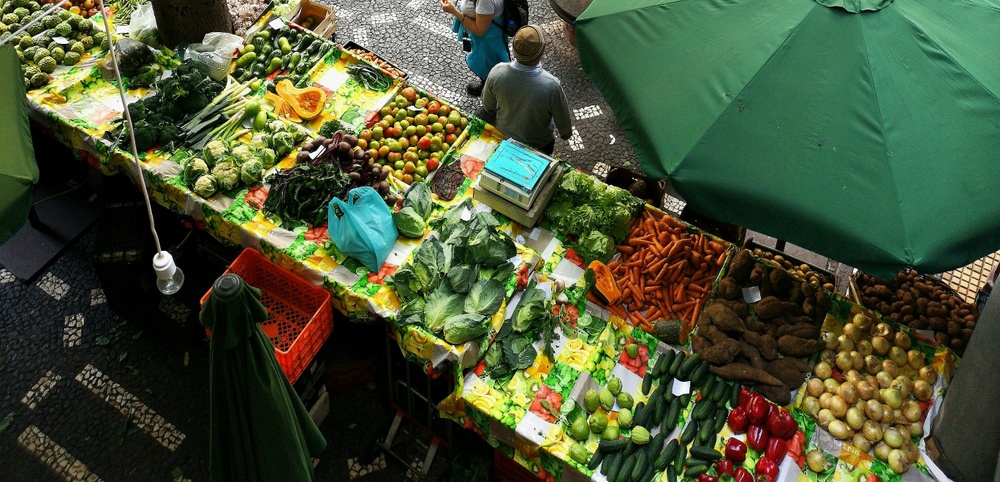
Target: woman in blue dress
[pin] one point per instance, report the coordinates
(480, 20)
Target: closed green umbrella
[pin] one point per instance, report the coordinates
(260, 431)
(864, 130)
(18, 171)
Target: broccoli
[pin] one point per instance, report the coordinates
(71, 58)
(47, 65)
(168, 134)
(145, 76)
(205, 186)
(145, 135)
(64, 29)
(283, 143)
(251, 172)
(40, 54)
(242, 154)
(227, 175)
(194, 168)
(266, 157)
(214, 151)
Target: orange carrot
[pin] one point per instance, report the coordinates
(716, 247)
(625, 249)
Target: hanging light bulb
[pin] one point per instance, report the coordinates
(169, 278)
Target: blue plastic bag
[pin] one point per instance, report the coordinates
(362, 227)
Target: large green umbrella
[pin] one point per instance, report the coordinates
(18, 171)
(864, 130)
(260, 431)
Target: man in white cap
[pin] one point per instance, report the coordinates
(528, 102)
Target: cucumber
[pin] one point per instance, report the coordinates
(657, 369)
(693, 461)
(689, 432)
(625, 473)
(671, 474)
(675, 365)
(719, 393)
(666, 455)
(685, 400)
(652, 449)
(706, 431)
(661, 410)
(665, 387)
(703, 410)
(610, 446)
(639, 467)
(630, 449)
(720, 419)
(734, 394)
(611, 460)
(596, 460)
(700, 374)
(708, 385)
(673, 413)
(706, 453)
(684, 372)
(695, 471)
(612, 465)
(680, 456)
(647, 383)
(646, 474)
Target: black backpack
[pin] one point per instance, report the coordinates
(515, 16)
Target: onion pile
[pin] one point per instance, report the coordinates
(867, 389)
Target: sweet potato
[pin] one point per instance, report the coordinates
(787, 370)
(758, 274)
(794, 346)
(699, 343)
(751, 354)
(745, 373)
(801, 330)
(766, 345)
(771, 307)
(725, 318)
(729, 289)
(722, 353)
(779, 394)
(781, 281)
(740, 307)
(713, 334)
(741, 266)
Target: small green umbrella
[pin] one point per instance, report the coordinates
(260, 431)
(18, 171)
(864, 130)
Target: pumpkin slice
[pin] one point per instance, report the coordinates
(282, 109)
(606, 289)
(307, 103)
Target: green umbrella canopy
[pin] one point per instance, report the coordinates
(18, 171)
(864, 130)
(260, 431)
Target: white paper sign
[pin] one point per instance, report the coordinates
(751, 294)
(680, 388)
(60, 40)
(275, 24)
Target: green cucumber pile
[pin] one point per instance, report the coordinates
(286, 50)
(690, 453)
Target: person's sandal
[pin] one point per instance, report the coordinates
(475, 89)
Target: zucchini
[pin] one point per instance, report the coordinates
(671, 474)
(703, 410)
(689, 432)
(666, 455)
(639, 467)
(706, 453)
(663, 363)
(625, 473)
(675, 366)
(700, 374)
(706, 431)
(611, 460)
(596, 460)
(695, 471)
(720, 419)
(690, 363)
(610, 446)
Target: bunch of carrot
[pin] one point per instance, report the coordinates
(665, 271)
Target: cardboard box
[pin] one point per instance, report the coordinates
(323, 21)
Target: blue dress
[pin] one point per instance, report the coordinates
(487, 50)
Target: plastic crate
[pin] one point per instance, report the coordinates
(301, 314)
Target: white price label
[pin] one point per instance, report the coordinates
(319, 151)
(60, 40)
(751, 294)
(276, 24)
(122, 30)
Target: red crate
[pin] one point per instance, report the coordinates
(301, 314)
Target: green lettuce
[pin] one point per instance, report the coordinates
(595, 246)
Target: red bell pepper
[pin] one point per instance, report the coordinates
(766, 470)
(756, 409)
(742, 475)
(745, 394)
(736, 451)
(757, 438)
(776, 449)
(781, 424)
(707, 478)
(724, 467)
(738, 421)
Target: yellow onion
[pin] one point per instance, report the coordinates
(865, 390)
(844, 361)
(828, 356)
(916, 429)
(882, 450)
(838, 406)
(872, 364)
(911, 451)
(840, 430)
(824, 400)
(922, 390)
(927, 374)
(891, 368)
(845, 343)
(811, 405)
(883, 329)
(915, 359)
(852, 331)
(872, 431)
(893, 437)
(855, 418)
(873, 410)
(880, 345)
(888, 415)
(898, 461)
(884, 378)
(903, 384)
(831, 385)
(849, 392)
(862, 321)
(897, 355)
(902, 340)
(815, 387)
(864, 347)
(823, 370)
(862, 443)
(892, 397)
(911, 411)
(829, 340)
(824, 417)
(816, 461)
